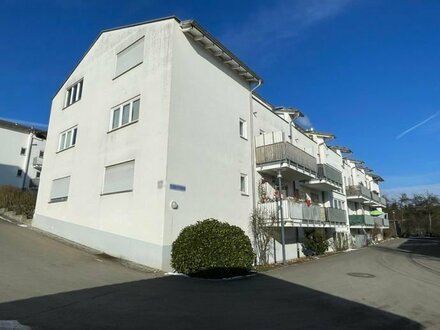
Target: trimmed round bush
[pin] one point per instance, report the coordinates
(211, 248)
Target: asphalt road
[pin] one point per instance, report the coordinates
(47, 285)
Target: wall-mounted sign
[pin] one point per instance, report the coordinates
(177, 187)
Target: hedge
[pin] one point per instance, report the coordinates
(17, 200)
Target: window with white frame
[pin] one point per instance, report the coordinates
(118, 178)
(243, 128)
(74, 93)
(67, 139)
(60, 189)
(129, 57)
(244, 184)
(125, 114)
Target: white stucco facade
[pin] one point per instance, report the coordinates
(20, 146)
(192, 146)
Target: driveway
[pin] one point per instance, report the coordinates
(48, 285)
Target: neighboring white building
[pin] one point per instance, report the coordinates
(21, 155)
(158, 127)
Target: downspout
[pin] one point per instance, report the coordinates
(251, 124)
(28, 157)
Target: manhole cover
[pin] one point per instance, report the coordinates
(364, 275)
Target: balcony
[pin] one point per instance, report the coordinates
(335, 215)
(358, 193)
(37, 163)
(298, 214)
(273, 153)
(329, 178)
(383, 201)
(361, 220)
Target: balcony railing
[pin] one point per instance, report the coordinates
(335, 215)
(300, 213)
(383, 201)
(285, 151)
(358, 191)
(330, 173)
(375, 197)
(37, 162)
(361, 220)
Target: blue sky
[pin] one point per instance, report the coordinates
(367, 71)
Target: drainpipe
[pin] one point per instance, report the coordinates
(283, 239)
(251, 124)
(28, 157)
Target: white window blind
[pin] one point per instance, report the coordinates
(119, 178)
(60, 189)
(129, 57)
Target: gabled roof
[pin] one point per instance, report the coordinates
(217, 49)
(17, 127)
(214, 46)
(110, 30)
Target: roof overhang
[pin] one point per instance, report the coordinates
(292, 112)
(342, 149)
(322, 135)
(14, 126)
(354, 161)
(365, 168)
(199, 34)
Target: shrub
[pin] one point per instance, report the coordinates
(316, 241)
(211, 248)
(17, 200)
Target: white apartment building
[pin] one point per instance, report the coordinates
(21, 156)
(158, 127)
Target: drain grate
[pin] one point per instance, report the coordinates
(363, 275)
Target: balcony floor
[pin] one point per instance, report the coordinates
(289, 171)
(321, 185)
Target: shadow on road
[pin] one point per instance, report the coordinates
(259, 302)
(429, 247)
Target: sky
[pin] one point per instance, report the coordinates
(366, 70)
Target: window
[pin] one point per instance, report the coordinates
(37, 175)
(244, 184)
(130, 57)
(125, 114)
(118, 178)
(23, 151)
(73, 93)
(67, 139)
(41, 155)
(243, 128)
(19, 172)
(60, 189)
